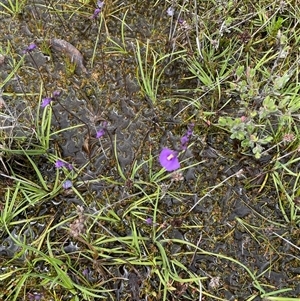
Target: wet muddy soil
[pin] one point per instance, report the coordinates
(231, 215)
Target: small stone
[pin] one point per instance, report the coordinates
(2, 58)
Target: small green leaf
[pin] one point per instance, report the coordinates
(280, 82)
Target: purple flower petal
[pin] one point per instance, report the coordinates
(168, 159)
(46, 101)
(96, 13)
(85, 272)
(67, 184)
(69, 166)
(190, 130)
(59, 163)
(184, 141)
(100, 4)
(56, 93)
(149, 221)
(170, 11)
(100, 133)
(35, 296)
(30, 48)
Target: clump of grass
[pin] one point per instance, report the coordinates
(13, 8)
(119, 48)
(286, 184)
(151, 66)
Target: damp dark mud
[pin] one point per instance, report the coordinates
(232, 215)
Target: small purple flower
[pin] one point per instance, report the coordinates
(38, 297)
(100, 4)
(46, 101)
(56, 93)
(30, 48)
(69, 166)
(149, 221)
(190, 129)
(59, 163)
(185, 139)
(35, 296)
(67, 184)
(170, 11)
(100, 133)
(96, 13)
(85, 272)
(168, 159)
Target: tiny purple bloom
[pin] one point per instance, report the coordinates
(38, 297)
(69, 166)
(35, 296)
(184, 141)
(190, 130)
(85, 272)
(170, 11)
(168, 159)
(59, 163)
(67, 184)
(100, 4)
(30, 48)
(46, 101)
(149, 221)
(100, 133)
(96, 13)
(55, 93)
